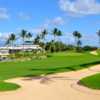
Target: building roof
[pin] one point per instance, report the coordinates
(21, 47)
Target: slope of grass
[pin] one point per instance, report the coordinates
(92, 82)
(57, 62)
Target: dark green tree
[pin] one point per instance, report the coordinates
(11, 39)
(78, 37)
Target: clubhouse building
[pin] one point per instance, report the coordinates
(7, 50)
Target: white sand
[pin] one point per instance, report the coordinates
(60, 86)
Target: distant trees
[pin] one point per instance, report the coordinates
(43, 35)
(23, 35)
(55, 44)
(11, 39)
(56, 33)
(37, 39)
(29, 36)
(77, 35)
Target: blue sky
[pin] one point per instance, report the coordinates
(68, 15)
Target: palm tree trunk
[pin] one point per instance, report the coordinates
(44, 44)
(23, 46)
(54, 43)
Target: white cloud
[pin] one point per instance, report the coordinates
(57, 21)
(5, 35)
(80, 7)
(37, 30)
(24, 16)
(3, 14)
(49, 22)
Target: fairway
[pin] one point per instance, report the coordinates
(57, 62)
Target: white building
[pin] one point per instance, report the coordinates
(5, 51)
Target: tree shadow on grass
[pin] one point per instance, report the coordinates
(45, 79)
(90, 64)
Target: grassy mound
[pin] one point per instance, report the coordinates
(8, 86)
(92, 82)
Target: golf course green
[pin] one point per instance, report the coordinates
(56, 62)
(92, 82)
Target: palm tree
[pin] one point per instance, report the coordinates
(11, 39)
(98, 33)
(59, 33)
(37, 39)
(77, 36)
(23, 35)
(43, 35)
(29, 35)
(55, 33)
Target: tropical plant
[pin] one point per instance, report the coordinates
(37, 39)
(56, 33)
(23, 35)
(43, 35)
(59, 33)
(29, 35)
(77, 36)
(11, 39)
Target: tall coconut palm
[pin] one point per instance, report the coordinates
(77, 36)
(37, 39)
(11, 39)
(98, 33)
(59, 33)
(43, 35)
(23, 35)
(55, 33)
(29, 35)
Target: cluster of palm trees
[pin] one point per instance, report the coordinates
(41, 37)
(23, 35)
(78, 37)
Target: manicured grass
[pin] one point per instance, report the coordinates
(57, 62)
(52, 64)
(92, 82)
(8, 86)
